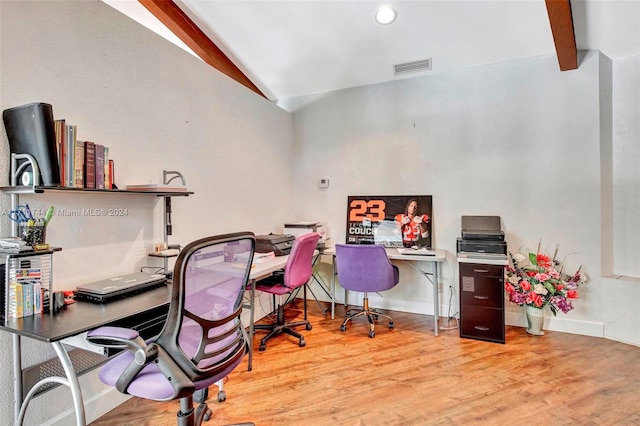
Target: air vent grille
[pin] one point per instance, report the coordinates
(412, 67)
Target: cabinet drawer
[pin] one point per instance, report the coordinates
(481, 270)
(482, 291)
(482, 323)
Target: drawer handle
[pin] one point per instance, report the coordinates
(481, 297)
(481, 328)
(481, 271)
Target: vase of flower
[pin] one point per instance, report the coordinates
(535, 319)
(537, 281)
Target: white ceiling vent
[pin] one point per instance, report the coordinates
(412, 67)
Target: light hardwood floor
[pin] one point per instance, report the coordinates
(406, 376)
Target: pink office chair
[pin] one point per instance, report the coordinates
(202, 340)
(365, 268)
(297, 272)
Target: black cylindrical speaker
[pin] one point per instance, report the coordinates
(31, 130)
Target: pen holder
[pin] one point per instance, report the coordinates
(33, 235)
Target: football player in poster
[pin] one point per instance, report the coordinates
(413, 225)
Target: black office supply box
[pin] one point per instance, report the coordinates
(31, 130)
(278, 243)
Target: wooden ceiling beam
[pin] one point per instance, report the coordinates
(561, 21)
(186, 30)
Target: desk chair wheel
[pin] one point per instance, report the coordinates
(302, 343)
(308, 326)
(343, 327)
(222, 396)
(372, 334)
(262, 347)
(203, 413)
(390, 324)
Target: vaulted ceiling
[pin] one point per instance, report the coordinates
(286, 49)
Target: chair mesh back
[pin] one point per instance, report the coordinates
(209, 284)
(299, 265)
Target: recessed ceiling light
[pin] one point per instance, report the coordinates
(386, 15)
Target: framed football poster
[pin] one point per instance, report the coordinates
(391, 221)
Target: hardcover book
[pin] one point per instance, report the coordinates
(78, 181)
(89, 165)
(61, 139)
(70, 148)
(99, 153)
(107, 184)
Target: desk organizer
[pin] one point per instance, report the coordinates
(26, 282)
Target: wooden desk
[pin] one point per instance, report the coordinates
(412, 260)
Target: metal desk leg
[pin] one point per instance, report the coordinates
(251, 321)
(333, 288)
(71, 380)
(17, 376)
(436, 297)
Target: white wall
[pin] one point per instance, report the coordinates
(622, 294)
(626, 169)
(519, 140)
(157, 108)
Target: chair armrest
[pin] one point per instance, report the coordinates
(121, 338)
(144, 354)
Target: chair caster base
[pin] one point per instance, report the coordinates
(372, 334)
(222, 396)
(343, 327)
(390, 324)
(302, 343)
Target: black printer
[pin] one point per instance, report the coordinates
(280, 244)
(481, 234)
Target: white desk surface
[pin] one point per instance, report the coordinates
(264, 269)
(392, 253)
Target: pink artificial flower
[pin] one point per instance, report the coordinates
(554, 274)
(525, 285)
(542, 277)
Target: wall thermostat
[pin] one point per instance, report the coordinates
(323, 183)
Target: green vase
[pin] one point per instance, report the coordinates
(535, 319)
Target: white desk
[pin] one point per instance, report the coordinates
(412, 260)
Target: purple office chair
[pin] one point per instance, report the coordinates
(202, 340)
(365, 268)
(297, 272)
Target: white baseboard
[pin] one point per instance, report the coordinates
(564, 325)
(95, 406)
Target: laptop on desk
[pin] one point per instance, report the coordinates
(114, 288)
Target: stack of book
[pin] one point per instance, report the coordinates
(25, 295)
(83, 164)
